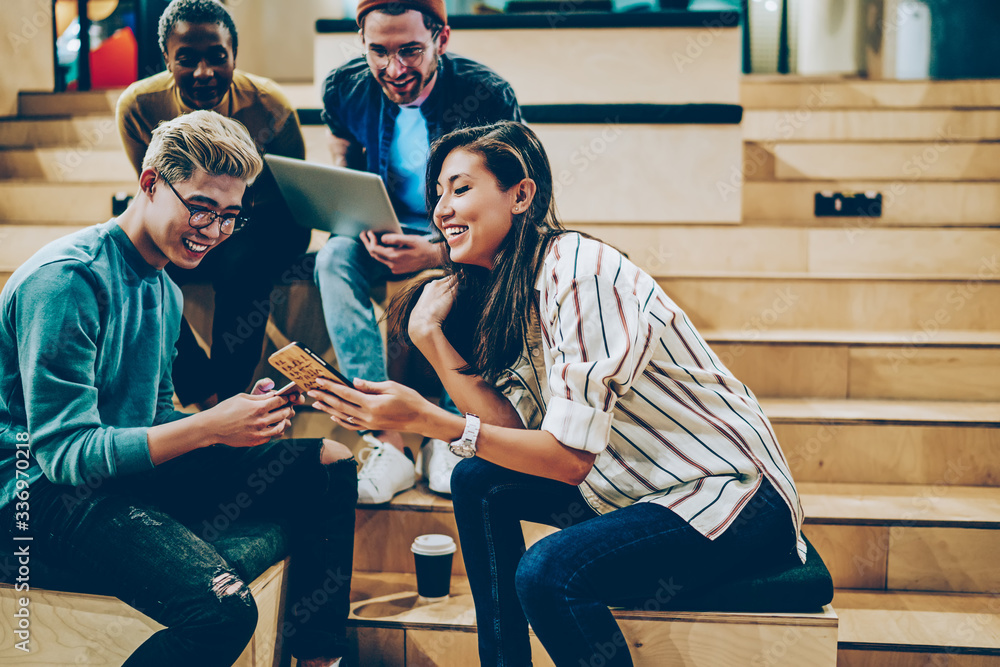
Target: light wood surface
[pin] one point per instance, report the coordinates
(866, 125)
(762, 303)
(904, 203)
(856, 338)
(73, 103)
(837, 451)
(376, 647)
(881, 161)
(925, 374)
(91, 131)
(103, 631)
(824, 503)
(42, 203)
(664, 250)
(807, 370)
(610, 65)
(882, 412)
(879, 658)
(901, 505)
(631, 173)
(856, 556)
(945, 559)
(66, 164)
(382, 538)
(440, 634)
(855, 527)
(27, 28)
(926, 620)
(733, 646)
(908, 252)
(907, 557)
(784, 92)
(679, 249)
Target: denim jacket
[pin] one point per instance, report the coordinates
(466, 94)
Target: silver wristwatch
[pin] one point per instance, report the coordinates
(466, 446)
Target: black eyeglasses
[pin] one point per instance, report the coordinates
(201, 218)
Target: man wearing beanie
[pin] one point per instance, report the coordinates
(384, 109)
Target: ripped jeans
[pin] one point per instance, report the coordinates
(156, 541)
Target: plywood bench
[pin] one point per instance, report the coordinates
(71, 628)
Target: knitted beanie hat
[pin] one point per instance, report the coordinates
(435, 8)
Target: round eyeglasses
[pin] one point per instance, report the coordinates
(408, 56)
(201, 218)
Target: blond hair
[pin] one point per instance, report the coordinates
(203, 140)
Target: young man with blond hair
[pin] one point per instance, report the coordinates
(114, 488)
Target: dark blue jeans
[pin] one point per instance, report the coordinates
(155, 540)
(640, 556)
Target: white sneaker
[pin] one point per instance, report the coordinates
(437, 464)
(385, 471)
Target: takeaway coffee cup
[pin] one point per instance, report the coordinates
(432, 555)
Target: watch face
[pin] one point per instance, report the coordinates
(464, 449)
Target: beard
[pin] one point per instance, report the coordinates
(416, 83)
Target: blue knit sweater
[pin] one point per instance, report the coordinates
(87, 333)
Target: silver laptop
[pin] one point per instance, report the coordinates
(335, 199)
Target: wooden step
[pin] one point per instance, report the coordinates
(895, 629)
(390, 626)
(936, 159)
(665, 250)
(906, 537)
(637, 163)
(904, 203)
(38, 202)
(755, 302)
(73, 103)
(94, 131)
(865, 125)
(652, 65)
(875, 536)
(73, 628)
(588, 161)
(824, 93)
(19, 242)
(889, 442)
(65, 164)
(918, 365)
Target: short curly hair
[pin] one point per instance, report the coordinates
(194, 11)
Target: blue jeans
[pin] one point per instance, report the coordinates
(640, 556)
(345, 274)
(155, 540)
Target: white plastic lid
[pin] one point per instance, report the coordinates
(433, 545)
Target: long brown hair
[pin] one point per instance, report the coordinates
(489, 323)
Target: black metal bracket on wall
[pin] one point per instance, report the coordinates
(83, 55)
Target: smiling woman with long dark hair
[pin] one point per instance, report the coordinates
(592, 404)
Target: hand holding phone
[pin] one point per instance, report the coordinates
(303, 367)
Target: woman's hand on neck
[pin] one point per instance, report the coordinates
(432, 308)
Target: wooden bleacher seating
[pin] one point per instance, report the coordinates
(871, 342)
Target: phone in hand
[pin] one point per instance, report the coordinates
(289, 389)
(303, 367)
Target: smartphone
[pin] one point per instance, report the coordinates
(303, 366)
(290, 388)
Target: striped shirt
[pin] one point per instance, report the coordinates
(621, 372)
